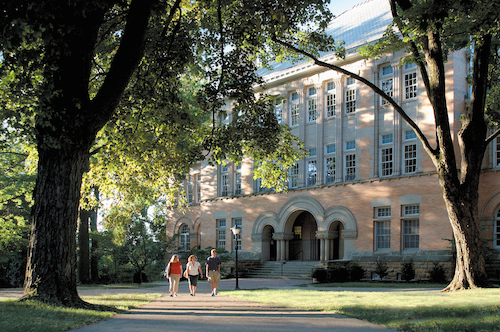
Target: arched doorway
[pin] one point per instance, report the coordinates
(304, 245)
(337, 247)
(268, 244)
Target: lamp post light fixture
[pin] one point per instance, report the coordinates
(236, 230)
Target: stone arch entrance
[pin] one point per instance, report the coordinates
(303, 245)
(336, 250)
(268, 244)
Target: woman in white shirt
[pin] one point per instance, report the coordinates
(193, 269)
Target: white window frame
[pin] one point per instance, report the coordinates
(312, 172)
(330, 100)
(184, 238)
(350, 96)
(312, 105)
(278, 109)
(189, 190)
(386, 83)
(294, 176)
(220, 240)
(237, 183)
(350, 167)
(330, 163)
(410, 82)
(410, 214)
(224, 180)
(382, 228)
(294, 109)
(237, 222)
(386, 155)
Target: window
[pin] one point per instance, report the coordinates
(237, 183)
(496, 233)
(297, 232)
(312, 105)
(350, 167)
(410, 158)
(330, 97)
(410, 225)
(311, 173)
(382, 228)
(350, 96)
(294, 109)
(237, 222)
(224, 181)
(351, 145)
(329, 163)
(294, 176)
(189, 190)
(184, 244)
(410, 81)
(278, 110)
(409, 135)
(221, 233)
(237, 179)
(386, 82)
(496, 158)
(386, 155)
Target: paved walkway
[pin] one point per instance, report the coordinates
(220, 313)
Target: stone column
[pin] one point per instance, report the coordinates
(325, 237)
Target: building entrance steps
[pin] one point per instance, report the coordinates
(285, 269)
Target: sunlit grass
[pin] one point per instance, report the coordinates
(35, 316)
(422, 310)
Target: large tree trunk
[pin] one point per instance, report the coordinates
(470, 263)
(83, 246)
(50, 273)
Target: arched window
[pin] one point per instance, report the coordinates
(184, 244)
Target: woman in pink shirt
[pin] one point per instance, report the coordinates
(174, 272)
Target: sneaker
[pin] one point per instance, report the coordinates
(213, 294)
(171, 294)
(175, 295)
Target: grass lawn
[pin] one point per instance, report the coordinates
(404, 310)
(34, 317)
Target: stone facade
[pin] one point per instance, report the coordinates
(368, 191)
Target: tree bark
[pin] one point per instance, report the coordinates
(50, 273)
(83, 246)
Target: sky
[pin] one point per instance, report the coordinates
(337, 7)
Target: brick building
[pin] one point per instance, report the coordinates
(368, 191)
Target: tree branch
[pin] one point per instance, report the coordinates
(492, 136)
(125, 61)
(372, 86)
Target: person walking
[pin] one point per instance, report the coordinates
(193, 269)
(173, 273)
(213, 271)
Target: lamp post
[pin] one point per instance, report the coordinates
(236, 230)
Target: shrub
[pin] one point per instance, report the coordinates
(321, 275)
(408, 271)
(437, 273)
(381, 269)
(338, 273)
(356, 272)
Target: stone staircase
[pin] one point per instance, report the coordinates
(286, 270)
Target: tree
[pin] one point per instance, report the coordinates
(74, 67)
(430, 30)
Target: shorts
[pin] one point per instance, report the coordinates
(193, 280)
(213, 276)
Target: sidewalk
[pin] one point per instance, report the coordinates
(220, 313)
